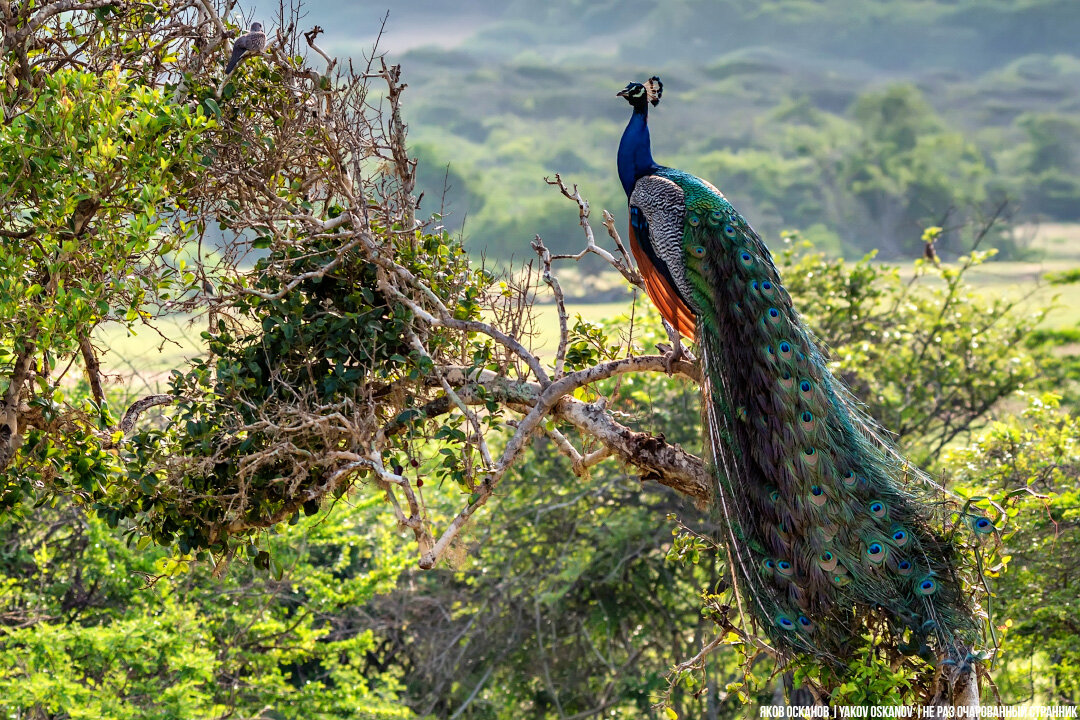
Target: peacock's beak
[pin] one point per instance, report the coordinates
(623, 93)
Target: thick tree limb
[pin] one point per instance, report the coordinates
(9, 410)
(137, 408)
(93, 368)
(661, 461)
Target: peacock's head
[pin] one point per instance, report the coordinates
(640, 94)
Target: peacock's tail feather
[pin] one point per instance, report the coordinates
(823, 523)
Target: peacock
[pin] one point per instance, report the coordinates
(826, 527)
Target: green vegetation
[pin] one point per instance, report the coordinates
(252, 547)
(572, 594)
(857, 122)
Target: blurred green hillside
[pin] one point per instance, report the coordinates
(856, 121)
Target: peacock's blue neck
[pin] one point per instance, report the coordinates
(635, 151)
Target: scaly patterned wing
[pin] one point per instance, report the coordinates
(656, 222)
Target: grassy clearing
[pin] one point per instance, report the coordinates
(547, 339)
(1054, 247)
(141, 359)
(144, 358)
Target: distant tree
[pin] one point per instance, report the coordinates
(908, 171)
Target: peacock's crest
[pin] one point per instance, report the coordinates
(653, 90)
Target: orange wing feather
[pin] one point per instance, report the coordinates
(663, 296)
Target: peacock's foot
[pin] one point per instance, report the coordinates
(673, 355)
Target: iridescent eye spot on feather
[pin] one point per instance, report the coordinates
(849, 479)
(805, 623)
(784, 622)
(827, 561)
(784, 568)
(817, 495)
(840, 580)
(774, 496)
(746, 259)
(729, 230)
(767, 289)
(786, 380)
(785, 350)
(805, 387)
(768, 565)
(716, 217)
(878, 509)
(900, 536)
(698, 251)
(926, 586)
(875, 552)
(983, 525)
(904, 567)
(694, 220)
(774, 316)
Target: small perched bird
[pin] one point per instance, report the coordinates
(822, 527)
(252, 43)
